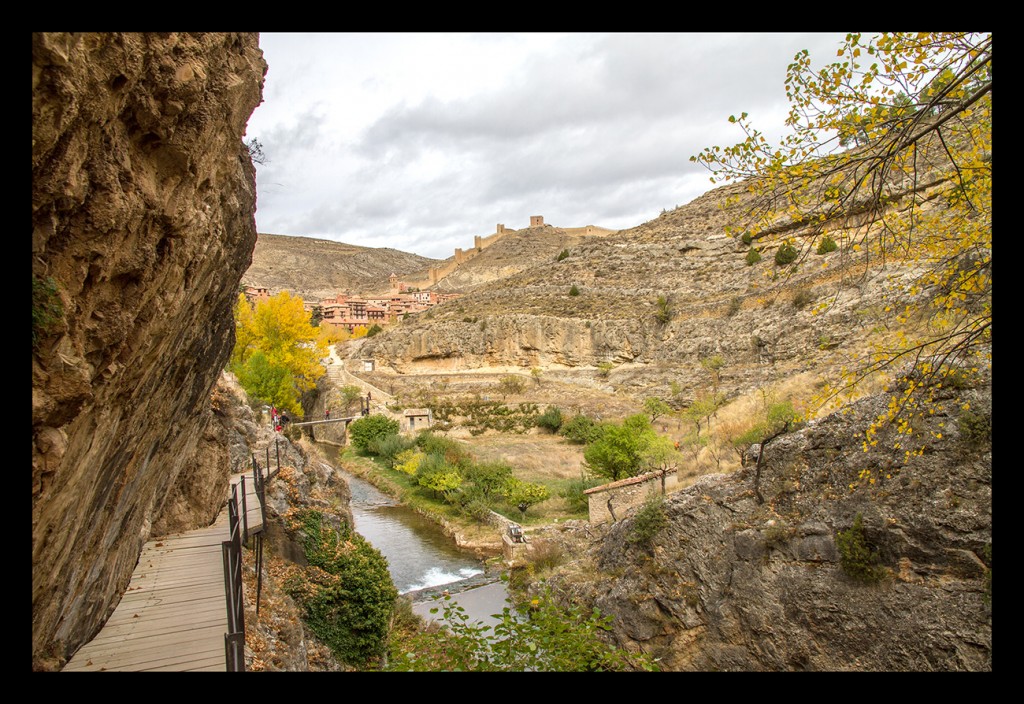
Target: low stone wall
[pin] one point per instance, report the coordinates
(611, 502)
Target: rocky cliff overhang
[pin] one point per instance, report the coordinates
(143, 201)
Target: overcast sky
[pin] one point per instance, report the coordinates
(421, 141)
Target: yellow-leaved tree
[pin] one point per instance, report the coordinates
(278, 353)
(887, 156)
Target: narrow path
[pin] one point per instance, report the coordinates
(173, 615)
(339, 376)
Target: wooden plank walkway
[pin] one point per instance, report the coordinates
(173, 615)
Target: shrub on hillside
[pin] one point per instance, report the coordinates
(580, 429)
(857, 557)
(389, 447)
(827, 245)
(572, 492)
(753, 257)
(363, 431)
(648, 521)
(785, 254)
(551, 419)
(802, 298)
(346, 593)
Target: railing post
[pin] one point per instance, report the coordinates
(245, 515)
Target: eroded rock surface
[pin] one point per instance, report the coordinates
(736, 585)
(143, 201)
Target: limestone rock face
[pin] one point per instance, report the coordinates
(731, 584)
(143, 201)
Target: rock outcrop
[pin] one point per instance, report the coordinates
(143, 201)
(732, 584)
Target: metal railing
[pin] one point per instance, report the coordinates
(260, 484)
(231, 551)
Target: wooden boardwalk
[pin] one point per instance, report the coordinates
(173, 615)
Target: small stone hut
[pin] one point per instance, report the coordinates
(610, 502)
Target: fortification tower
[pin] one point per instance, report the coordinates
(536, 221)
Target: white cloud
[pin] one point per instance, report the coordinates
(420, 141)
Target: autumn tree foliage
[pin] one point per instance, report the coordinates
(278, 353)
(887, 153)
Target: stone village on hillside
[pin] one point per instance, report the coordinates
(351, 311)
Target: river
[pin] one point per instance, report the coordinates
(423, 561)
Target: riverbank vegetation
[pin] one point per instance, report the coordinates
(441, 477)
(544, 637)
(345, 590)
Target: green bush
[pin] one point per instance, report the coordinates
(785, 254)
(346, 592)
(486, 480)
(746, 239)
(857, 557)
(523, 494)
(574, 291)
(580, 430)
(572, 492)
(551, 419)
(552, 639)
(389, 447)
(374, 330)
(827, 245)
(663, 314)
(368, 428)
(476, 509)
(648, 521)
(562, 255)
(975, 428)
(510, 385)
(753, 257)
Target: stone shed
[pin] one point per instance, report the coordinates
(417, 419)
(610, 502)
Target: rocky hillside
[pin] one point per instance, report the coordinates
(510, 255)
(143, 197)
(653, 301)
(733, 584)
(314, 269)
